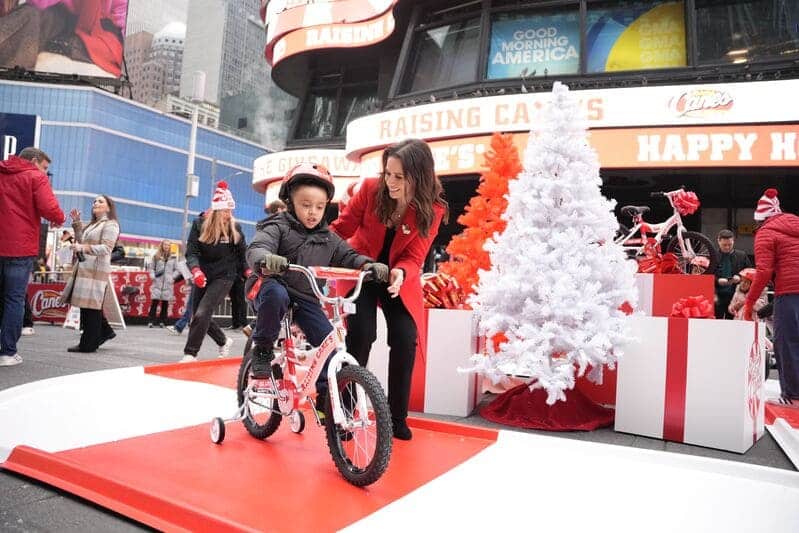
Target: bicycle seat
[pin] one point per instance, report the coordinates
(632, 210)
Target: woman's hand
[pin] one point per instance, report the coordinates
(74, 215)
(395, 279)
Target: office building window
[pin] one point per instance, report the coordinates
(443, 56)
(738, 31)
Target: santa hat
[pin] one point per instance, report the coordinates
(223, 199)
(768, 205)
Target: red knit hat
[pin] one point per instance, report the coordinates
(768, 205)
(223, 199)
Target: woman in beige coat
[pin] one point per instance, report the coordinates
(89, 286)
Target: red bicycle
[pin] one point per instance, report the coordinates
(357, 419)
(694, 252)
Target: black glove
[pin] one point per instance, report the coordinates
(379, 271)
(274, 264)
(159, 273)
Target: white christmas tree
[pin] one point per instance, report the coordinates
(557, 279)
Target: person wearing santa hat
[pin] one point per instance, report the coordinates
(215, 255)
(777, 257)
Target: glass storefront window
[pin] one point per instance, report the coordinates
(355, 102)
(533, 44)
(737, 31)
(635, 35)
(317, 120)
(443, 56)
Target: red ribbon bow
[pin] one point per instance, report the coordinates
(686, 202)
(442, 291)
(692, 307)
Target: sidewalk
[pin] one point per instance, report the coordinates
(29, 506)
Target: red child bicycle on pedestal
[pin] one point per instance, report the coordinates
(693, 252)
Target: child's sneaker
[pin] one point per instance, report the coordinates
(188, 358)
(224, 350)
(27, 331)
(262, 362)
(173, 330)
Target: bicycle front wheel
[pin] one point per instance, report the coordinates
(362, 447)
(705, 256)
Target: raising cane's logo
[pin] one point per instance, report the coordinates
(142, 278)
(45, 304)
(701, 103)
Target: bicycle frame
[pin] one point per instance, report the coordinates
(300, 389)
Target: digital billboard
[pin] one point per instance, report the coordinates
(636, 35)
(530, 44)
(83, 37)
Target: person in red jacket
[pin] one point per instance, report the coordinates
(777, 257)
(394, 219)
(25, 197)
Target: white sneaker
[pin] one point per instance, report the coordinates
(27, 331)
(224, 350)
(188, 359)
(10, 360)
(173, 330)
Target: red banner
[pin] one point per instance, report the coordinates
(132, 290)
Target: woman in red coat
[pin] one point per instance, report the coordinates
(394, 219)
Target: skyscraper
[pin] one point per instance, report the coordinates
(226, 40)
(154, 62)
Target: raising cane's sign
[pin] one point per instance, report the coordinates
(641, 107)
(44, 302)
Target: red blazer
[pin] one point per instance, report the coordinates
(358, 223)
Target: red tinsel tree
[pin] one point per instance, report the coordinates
(483, 215)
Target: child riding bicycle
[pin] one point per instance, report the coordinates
(300, 236)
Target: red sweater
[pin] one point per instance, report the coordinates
(777, 256)
(25, 197)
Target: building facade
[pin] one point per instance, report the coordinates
(692, 92)
(152, 15)
(104, 144)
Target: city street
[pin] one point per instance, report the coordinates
(31, 506)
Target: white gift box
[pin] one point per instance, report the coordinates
(437, 386)
(697, 381)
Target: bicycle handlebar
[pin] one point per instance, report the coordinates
(318, 293)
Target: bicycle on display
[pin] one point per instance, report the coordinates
(357, 419)
(694, 252)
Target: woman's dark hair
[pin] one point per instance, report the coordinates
(112, 209)
(419, 169)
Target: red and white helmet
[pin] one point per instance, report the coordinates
(304, 174)
(748, 273)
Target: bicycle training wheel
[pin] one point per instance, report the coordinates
(261, 419)
(362, 453)
(703, 249)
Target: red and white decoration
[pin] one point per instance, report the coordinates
(695, 381)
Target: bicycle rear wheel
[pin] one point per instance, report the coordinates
(703, 249)
(262, 419)
(362, 449)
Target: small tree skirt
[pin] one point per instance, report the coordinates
(521, 407)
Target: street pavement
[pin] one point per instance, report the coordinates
(27, 505)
